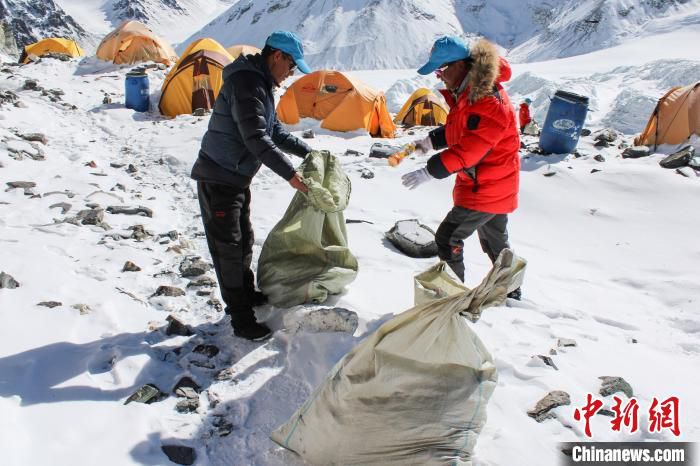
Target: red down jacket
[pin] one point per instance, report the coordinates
(524, 115)
(482, 145)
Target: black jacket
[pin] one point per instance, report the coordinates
(244, 131)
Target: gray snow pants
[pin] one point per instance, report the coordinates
(459, 224)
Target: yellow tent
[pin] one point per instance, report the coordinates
(422, 108)
(236, 50)
(132, 42)
(343, 103)
(675, 118)
(195, 80)
(51, 45)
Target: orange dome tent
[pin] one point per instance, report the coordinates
(236, 50)
(343, 103)
(51, 45)
(422, 108)
(195, 80)
(132, 42)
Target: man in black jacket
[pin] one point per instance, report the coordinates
(243, 134)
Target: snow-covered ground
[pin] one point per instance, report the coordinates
(612, 264)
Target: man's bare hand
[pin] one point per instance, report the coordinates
(297, 182)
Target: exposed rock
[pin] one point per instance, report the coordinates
(601, 143)
(167, 290)
(130, 267)
(595, 170)
(613, 385)
(116, 164)
(193, 267)
(223, 426)
(30, 85)
(566, 342)
(548, 174)
(542, 409)
(26, 185)
(678, 159)
(605, 412)
(225, 374)
(353, 153)
(35, 137)
(91, 216)
(50, 304)
(216, 304)
(187, 405)
(207, 350)
(202, 282)
(8, 281)
(585, 132)
(139, 210)
(148, 393)
(607, 135)
(91, 164)
(548, 361)
(106, 100)
(83, 308)
(179, 454)
(200, 112)
(175, 327)
(131, 169)
(308, 134)
(9, 97)
(185, 387)
(635, 152)
(367, 174)
(140, 233)
(599, 158)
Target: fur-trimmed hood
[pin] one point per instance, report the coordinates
(488, 68)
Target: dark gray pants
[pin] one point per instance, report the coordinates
(226, 218)
(459, 224)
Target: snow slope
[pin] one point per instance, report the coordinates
(612, 264)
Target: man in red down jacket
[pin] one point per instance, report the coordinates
(479, 143)
(524, 114)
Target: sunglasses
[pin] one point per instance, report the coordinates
(441, 69)
(292, 64)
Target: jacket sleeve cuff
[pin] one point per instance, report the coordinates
(436, 168)
(438, 138)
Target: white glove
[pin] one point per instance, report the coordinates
(423, 146)
(415, 178)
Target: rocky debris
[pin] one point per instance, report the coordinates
(688, 172)
(26, 185)
(367, 174)
(175, 327)
(607, 134)
(139, 232)
(202, 282)
(139, 210)
(34, 137)
(535, 148)
(552, 400)
(187, 405)
(185, 386)
(566, 342)
(31, 85)
(548, 174)
(66, 193)
(548, 361)
(601, 143)
(203, 364)
(131, 169)
(172, 235)
(91, 216)
(595, 170)
(553, 352)
(167, 290)
(119, 187)
(179, 454)
(336, 319)
(612, 385)
(353, 153)
(193, 267)
(130, 267)
(216, 304)
(50, 304)
(605, 412)
(585, 132)
(8, 97)
(200, 112)
(225, 374)
(635, 152)
(308, 134)
(117, 165)
(207, 350)
(599, 158)
(82, 308)
(8, 281)
(106, 99)
(678, 159)
(223, 426)
(148, 394)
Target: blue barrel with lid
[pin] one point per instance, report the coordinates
(136, 92)
(564, 122)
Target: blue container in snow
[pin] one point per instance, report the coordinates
(564, 122)
(136, 91)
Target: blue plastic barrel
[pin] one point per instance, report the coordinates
(564, 122)
(136, 91)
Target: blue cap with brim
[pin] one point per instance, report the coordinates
(445, 50)
(289, 43)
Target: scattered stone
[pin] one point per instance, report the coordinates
(553, 352)
(566, 342)
(605, 412)
(216, 304)
(66, 193)
(367, 174)
(91, 164)
(308, 134)
(92, 205)
(65, 207)
(31, 85)
(186, 383)
(193, 267)
(179, 454)
(130, 267)
(140, 233)
(83, 308)
(548, 361)
(34, 137)
(200, 112)
(595, 170)
(353, 153)
(207, 350)
(612, 385)
(172, 234)
(623, 145)
(678, 159)
(148, 394)
(607, 135)
(8, 281)
(635, 152)
(26, 185)
(175, 327)
(225, 374)
(91, 216)
(599, 158)
(685, 171)
(131, 169)
(206, 292)
(223, 427)
(203, 364)
(106, 100)
(187, 405)
(116, 164)
(167, 290)
(202, 282)
(585, 132)
(542, 409)
(9, 97)
(601, 143)
(50, 304)
(549, 174)
(139, 210)
(634, 340)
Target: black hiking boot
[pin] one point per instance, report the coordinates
(252, 331)
(259, 299)
(515, 294)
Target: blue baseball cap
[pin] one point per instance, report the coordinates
(289, 43)
(445, 50)
(528, 100)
